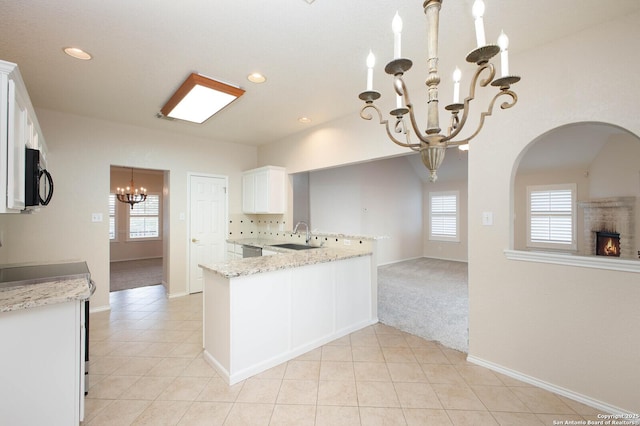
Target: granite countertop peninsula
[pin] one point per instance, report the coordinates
(43, 293)
(285, 259)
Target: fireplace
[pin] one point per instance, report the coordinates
(607, 244)
(615, 215)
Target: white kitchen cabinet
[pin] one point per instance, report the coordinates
(255, 322)
(234, 251)
(264, 190)
(42, 370)
(19, 130)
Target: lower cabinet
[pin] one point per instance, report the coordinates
(252, 323)
(42, 365)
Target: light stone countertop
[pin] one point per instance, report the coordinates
(286, 259)
(43, 293)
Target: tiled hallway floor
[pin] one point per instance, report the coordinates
(147, 368)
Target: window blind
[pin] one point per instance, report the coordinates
(112, 216)
(144, 218)
(444, 215)
(551, 216)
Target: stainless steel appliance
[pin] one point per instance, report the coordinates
(251, 251)
(34, 274)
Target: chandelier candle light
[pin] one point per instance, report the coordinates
(432, 144)
(131, 195)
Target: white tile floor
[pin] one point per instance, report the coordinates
(147, 368)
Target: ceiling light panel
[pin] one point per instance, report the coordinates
(200, 97)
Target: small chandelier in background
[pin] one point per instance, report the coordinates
(432, 144)
(131, 195)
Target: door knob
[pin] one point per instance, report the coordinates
(194, 240)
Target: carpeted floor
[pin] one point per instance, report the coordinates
(428, 298)
(135, 273)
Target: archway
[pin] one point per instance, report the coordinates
(601, 161)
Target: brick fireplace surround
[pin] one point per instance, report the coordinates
(613, 215)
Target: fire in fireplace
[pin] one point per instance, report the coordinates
(607, 243)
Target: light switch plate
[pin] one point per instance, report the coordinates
(487, 218)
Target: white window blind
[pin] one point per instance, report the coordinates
(444, 216)
(551, 216)
(144, 218)
(112, 216)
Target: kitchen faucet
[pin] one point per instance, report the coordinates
(295, 230)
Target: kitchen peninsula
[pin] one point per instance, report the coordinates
(262, 311)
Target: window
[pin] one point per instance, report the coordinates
(443, 209)
(112, 217)
(144, 218)
(551, 222)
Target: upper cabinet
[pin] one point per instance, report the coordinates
(264, 190)
(19, 129)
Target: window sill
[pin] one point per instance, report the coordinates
(596, 262)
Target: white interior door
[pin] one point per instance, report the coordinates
(207, 236)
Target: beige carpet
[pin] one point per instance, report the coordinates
(428, 298)
(135, 273)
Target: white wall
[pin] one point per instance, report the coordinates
(379, 198)
(559, 324)
(81, 151)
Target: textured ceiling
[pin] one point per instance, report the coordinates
(312, 54)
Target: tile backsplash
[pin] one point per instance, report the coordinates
(256, 226)
(274, 227)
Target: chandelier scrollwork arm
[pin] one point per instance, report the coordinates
(399, 127)
(472, 96)
(504, 105)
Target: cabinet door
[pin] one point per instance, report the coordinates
(262, 192)
(17, 141)
(248, 193)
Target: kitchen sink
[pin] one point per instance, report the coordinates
(293, 246)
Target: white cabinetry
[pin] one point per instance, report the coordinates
(234, 251)
(42, 369)
(264, 190)
(19, 129)
(255, 322)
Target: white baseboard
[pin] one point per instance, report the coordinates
(591, 402)
(422, 257)
(174, 295)
(135, 258)
(399, 261)
(102, 308)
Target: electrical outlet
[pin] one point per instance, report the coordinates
(96, 217)
(347, 242)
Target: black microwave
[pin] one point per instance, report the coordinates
(38, 183)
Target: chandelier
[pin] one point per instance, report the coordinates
(131, 195)
(432, 144)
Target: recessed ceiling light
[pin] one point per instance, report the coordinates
(309, 1)
(74, 52)
(304, 120)
(256, 77)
